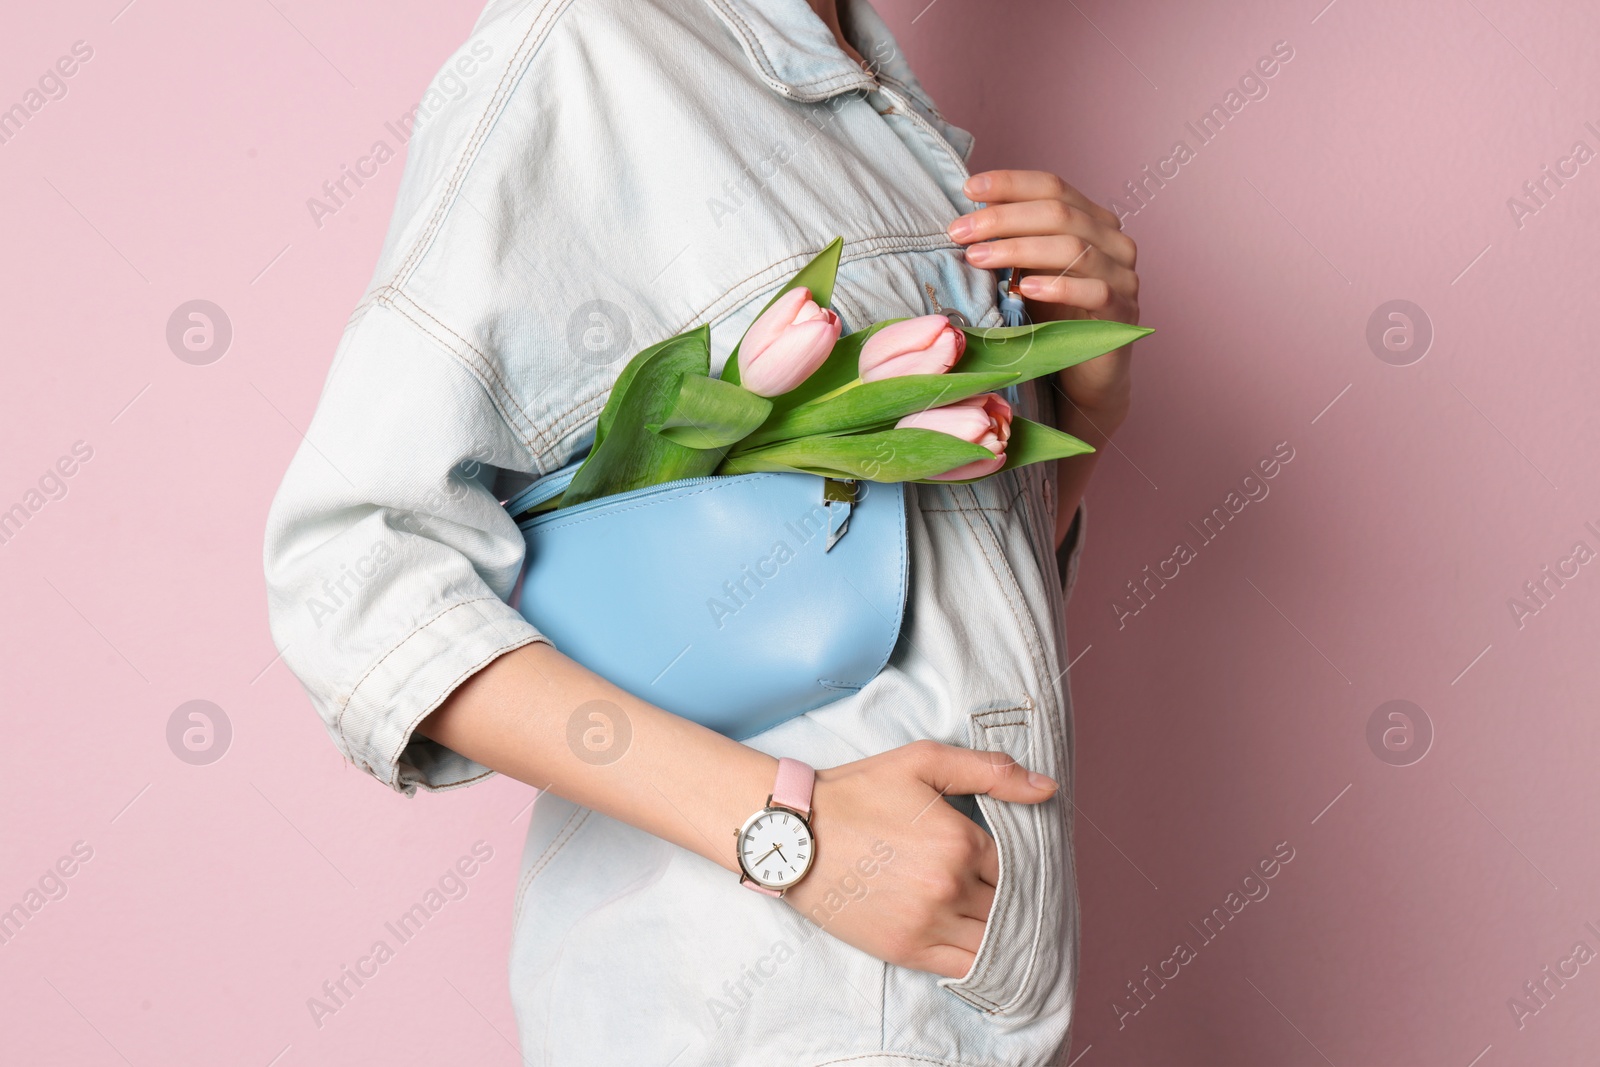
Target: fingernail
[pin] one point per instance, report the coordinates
(960, 229)
(979, 253)
(977, 186)
(1031, 286)
(1041, 781)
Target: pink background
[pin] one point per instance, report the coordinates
(1229, 715)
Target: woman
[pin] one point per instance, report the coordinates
(617, 171)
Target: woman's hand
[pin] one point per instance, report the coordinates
(1075, 262)
(898, 872)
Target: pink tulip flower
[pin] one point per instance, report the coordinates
(982, 420)
(786, 343)
(928, 344)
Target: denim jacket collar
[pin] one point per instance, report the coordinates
(797, 57)
(792, 48)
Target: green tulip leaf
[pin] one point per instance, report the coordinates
(874, 405)
(818, 276)
(710, 413)
(628, 456)
(1043, 348)
(884, 456)
(619, 389)
(1034, 442)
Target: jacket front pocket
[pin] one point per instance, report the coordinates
(1021, 961)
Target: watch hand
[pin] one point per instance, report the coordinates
(764, 855)
(779, 850)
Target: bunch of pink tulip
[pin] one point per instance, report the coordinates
(906, 400)
(793, 337)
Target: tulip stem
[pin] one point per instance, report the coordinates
(845, 388)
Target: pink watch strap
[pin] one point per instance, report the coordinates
(794, 785)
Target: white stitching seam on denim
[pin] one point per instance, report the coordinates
(568, 831)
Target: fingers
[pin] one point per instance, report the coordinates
(954, 926)
(987, 865)
(1035, 222)
(1047, 217)
(1080, 275)
(959, 945)
(1057, 254)
(1011, 186)
(947, 961)
(1094, 295)
(966, 934)
(979, 902)
(965, 772)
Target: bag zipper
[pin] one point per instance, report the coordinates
(543, 491)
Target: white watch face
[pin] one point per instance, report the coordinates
(775, 848)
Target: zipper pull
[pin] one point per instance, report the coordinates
(839, 497)
(1012, 311)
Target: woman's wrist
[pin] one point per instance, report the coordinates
(1094, 411)
(1094, 426)
(747, 780)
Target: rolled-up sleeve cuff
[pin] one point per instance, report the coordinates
(376, 727)
(1070, 550)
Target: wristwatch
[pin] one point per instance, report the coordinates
(775, 845)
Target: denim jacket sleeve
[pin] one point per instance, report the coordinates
(387, 556)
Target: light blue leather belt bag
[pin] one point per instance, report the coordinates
(736, 601)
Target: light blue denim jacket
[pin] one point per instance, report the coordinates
(588, 177)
